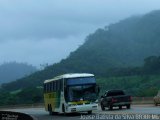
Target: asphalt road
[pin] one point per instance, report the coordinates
(140, 111)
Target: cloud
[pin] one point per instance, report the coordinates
(38, 31)
(42, 52)
(38, 19)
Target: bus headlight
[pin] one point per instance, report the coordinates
(73, 109)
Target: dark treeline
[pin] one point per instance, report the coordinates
(10, 71)
(151, 67)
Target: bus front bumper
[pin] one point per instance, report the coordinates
(81, 108)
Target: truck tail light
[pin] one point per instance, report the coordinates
(130, 98)
(114, 100)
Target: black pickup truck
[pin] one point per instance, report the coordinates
(115, 98)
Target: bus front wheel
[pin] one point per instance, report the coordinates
(90, 112)
(63, 108)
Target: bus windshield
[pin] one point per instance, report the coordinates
(81, 89)
(81, 81)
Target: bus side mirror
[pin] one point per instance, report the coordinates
(65, 90)
(97, 89)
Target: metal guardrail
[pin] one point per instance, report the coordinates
(142, 100)
(22, 105)
(135, 101)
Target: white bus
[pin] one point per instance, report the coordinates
(69, 93)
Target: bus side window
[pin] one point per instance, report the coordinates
(44, 88)
(52, 86)
(57, 85)
(47, 87)
(61, 84)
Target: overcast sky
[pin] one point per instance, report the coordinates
(45, 31)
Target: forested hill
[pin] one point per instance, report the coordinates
(12, 70)
(123, 44)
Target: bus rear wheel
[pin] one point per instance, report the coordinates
(50, 109)
(102, 107)
(128, 106)
(110, 107)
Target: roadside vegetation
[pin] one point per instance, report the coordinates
(137, 86)
(24, 96)
(137, 81)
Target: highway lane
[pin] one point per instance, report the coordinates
(41, 114)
